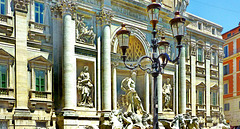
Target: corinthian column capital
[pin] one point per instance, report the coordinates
(66, 7)
(21, 5)
(105, 17)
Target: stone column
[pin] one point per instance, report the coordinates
(147, 95)
(193, 78)
(105, 18)
(208, 85)
(159, 93)
(182, 86)
(114, 86)
(69, 60)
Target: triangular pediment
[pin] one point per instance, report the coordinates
(214, 87)
(40, 61)
(201, 85)
(5, 54)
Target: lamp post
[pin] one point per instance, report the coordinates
(158, 60)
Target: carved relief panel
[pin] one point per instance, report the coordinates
(84, 30)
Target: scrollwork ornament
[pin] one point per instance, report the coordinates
(21, 5)
(105, 17)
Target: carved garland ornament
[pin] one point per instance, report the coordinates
(220, 56)
(193, 49)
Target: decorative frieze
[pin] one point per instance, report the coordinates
(125, 11)
(84, 34)
(21, 5)
(105, 17)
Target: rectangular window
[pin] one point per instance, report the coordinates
(239, 105)
(229, 35)
(226, 107)
(226, 69)
(41, 125)
(2, 2)
(225, 88)
(200, 97)
(225, 51)
(200, 55)
(214, 58)
(214, 98)
(199, 26)
(3, 76)
(40, 80)
(3, 125)
(213, 31)
(39, 8)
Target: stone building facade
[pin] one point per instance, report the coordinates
(231, 79)
(61, 64)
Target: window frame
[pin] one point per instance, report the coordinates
(45, 80)
(226, 107)
(214, 57)
(40, 14)
(225, 92)
(4, 4)
(213, 31)
(202, 53)
(201, 88)
(226, 69)
(6, 76)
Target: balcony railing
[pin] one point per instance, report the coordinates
(41, 98)
(6, 24)
(6, 92)
(41, 95)
(201, 107)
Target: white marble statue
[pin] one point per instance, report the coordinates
(132, 102)
(167, 91)
(181, 5)
(84, 87)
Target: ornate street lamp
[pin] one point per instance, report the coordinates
(158, 61)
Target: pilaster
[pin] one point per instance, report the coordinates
(21, 113)
(147, 95)
(220, 73)
(208, 85)
(21, 53)
(114, 85)
(234, 77)
(159, 93)
(193, 79)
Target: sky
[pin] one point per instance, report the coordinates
(223, 12)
